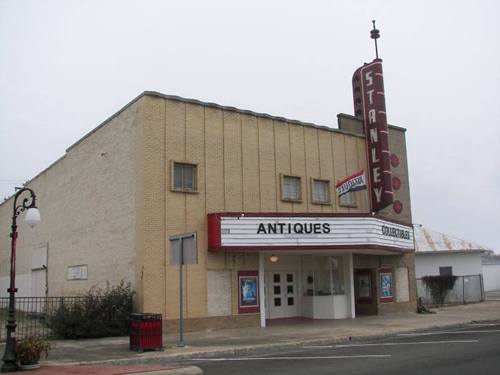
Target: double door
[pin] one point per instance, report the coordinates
(281, 292)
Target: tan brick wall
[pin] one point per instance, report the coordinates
(397, 145)
(376, 262)
(86, 201)
(240, 158)
(152, 167)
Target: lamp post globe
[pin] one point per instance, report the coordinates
(32, 217)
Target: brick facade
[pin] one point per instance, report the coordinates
(108, 202)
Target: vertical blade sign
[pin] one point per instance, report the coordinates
(369, 105)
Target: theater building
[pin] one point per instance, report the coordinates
(275, 217)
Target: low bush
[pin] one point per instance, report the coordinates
(439, 286)
(97, 313)
(29, 350)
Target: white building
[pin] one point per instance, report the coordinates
(441, 254)
(491, 272)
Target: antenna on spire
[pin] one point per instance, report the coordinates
(375, 34)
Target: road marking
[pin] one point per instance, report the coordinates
(393, 344)
(484, 324)
(293, 358)
(448, 332)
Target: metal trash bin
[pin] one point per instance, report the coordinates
(146, 332)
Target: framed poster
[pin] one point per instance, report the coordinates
(386, 287)
(248, 292)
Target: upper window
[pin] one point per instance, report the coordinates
(290, 188)
(320, 191)
(445, 271)
(184, 177)
(348, 199)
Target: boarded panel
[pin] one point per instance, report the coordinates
(38, 283)
(402, 286)
(39, 257)
(219, 292)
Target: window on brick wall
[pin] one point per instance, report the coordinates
(184, 177)
(348, 199)
(320, 191)
(290, 188)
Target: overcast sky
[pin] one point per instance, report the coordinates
(65, 66)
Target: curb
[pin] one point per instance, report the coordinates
(162, 359)
(187, 370)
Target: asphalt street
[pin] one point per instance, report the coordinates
(472, 349)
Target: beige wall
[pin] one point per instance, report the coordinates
(86, 200)
(108, 204)
(239, 158)
(375, 262)
(397, 146)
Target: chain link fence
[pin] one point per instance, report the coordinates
(467, 289)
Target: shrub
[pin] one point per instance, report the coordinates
(97, 313)
(439, 286)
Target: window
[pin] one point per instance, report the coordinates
(445, 271)
(338, 275)
(348, 199)
(320, 191)
(184, 177)
(290, 188)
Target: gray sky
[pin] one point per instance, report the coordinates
(65, 66)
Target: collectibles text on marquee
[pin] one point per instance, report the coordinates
(295, 231)
(369, 104)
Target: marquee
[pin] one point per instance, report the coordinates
(244, 231)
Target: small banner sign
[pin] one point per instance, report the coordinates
(355, 182)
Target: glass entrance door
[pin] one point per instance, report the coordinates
(282, 294)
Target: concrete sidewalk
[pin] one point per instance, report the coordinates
(281, 334)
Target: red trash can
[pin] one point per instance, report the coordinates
(146, 332)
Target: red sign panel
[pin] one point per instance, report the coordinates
(369, 105)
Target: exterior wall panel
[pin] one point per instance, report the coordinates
(233, 190)
(282, 156)
(311, 156)
(150, 203)
(85, 220)
(250, 162)
(196, 278)
(267, 166)
(339, 166)
(298, 165)
(326, 168)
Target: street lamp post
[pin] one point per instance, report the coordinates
(28, 204)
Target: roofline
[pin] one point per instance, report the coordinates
(441, 252)
(248, 112)
(351, 117)
(225, 108)
(126, 106)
